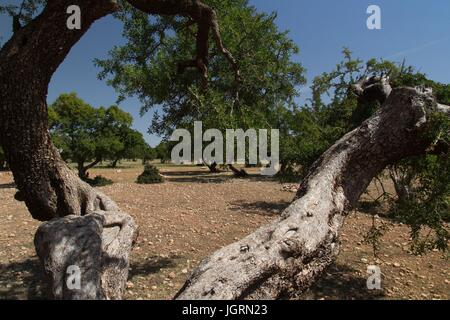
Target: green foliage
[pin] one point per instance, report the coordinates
(335, 111)
(374, 235)
(84, 133)
(28, 9)
(99, 181)
(146, 66)
(163, 151)
(427, 209)
(149, 155)
(150, 175)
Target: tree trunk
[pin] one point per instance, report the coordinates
(27, 62)
(95, 246)
(282, 259)
(402, 183)
(212, 167)
(114, 163)
(240, 173)
(83, 170)
(46, 184)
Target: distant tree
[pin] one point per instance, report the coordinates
(88, 135)
(279, 260)
(134, 146)
(149, 154)
(163, 151)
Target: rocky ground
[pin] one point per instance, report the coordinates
(194, 213)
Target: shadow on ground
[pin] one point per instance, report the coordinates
(260, 207)
(209, 177)
(341, 282)
(23, 280)
(152, 265)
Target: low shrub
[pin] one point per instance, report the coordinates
(99, 181)
(150, 175)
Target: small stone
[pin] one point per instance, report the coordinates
(184, 271)
(396, 264)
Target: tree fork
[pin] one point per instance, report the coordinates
(47, 185)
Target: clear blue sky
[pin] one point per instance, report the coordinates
(418, 30)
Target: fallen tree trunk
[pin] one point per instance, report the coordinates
(282, 259)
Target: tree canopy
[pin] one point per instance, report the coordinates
(422, 182)
(146, 66)
(87, 134)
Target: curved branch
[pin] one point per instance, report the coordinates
(206, 19)
(281, 259)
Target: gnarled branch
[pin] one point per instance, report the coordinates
(283, 258)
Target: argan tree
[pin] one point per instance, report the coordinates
(88, 135)
(146, 66)
(278, 260)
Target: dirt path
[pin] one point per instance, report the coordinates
(195, 213)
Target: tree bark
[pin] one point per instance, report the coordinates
(282, 259)
(45, 182)
(97, 245)
(114, 163)
(27, 62)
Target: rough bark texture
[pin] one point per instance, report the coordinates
(281, 259)
(27, 62)
(277, 261)
(46, 184)
(98, 244)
